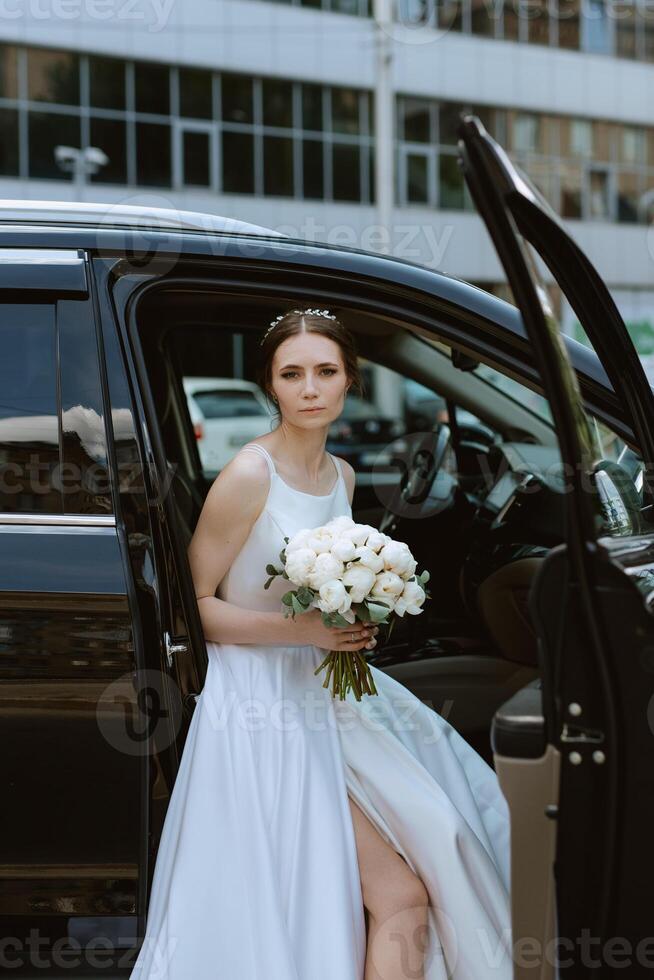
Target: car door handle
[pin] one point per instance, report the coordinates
(175, 645)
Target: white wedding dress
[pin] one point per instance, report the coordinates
(256, 875)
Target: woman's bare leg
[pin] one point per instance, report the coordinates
(396, 901)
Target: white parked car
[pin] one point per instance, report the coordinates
(226, 413)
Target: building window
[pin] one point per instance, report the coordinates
(195, 93)
(45, 131)
(278, 170)
(106, 82)
(288, 131)
(357, 8)
(237, 96)
(9, 142)
(151, 88)
(277, 103)
(8, 71)
(153, 155)
(238, 163)
(53, 76)
(110, 136)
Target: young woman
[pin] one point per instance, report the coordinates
(307, 838)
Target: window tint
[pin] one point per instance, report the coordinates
(29, 437)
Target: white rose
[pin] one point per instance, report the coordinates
(412, 598)
(326, 567)
(299, 565)
(398, 558)
(376, 541)
(344, 548)
(369, 558)
(333, 597)
(321, 540)
(299, 539)
(388, 586)
(360, 579)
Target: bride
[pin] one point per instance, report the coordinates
(307, 838)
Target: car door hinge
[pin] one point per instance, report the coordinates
(175, 645)
(575, 733)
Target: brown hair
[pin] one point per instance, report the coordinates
(299, 321)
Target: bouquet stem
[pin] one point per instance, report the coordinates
(348, 670)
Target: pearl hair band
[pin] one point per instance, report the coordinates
(312, 312)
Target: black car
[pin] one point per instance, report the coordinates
(538, 644)
(364, 436)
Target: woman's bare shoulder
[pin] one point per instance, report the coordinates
(244, 479)
(237, 495)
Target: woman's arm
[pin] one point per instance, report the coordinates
(234, 502)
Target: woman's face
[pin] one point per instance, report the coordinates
(308, 373)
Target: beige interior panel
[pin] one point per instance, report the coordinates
(530, 785)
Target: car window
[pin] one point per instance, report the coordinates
(612, 446)
(29, 436)
(228, 404)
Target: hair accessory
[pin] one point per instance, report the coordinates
(312, 312)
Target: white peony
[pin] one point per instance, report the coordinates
(411, 600)
(398, 558)
(360, 580)
(369, 558)
(376, 541)
(299, 565)
(333, 597)
(326, 567)
(344, 548)
(321, 540)
(340, 523)
(388, 586)
(299, 539)
(359, 532)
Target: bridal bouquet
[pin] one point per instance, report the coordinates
(351, 572)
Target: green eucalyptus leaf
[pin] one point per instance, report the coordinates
(377, 611)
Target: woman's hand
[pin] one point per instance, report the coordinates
(311, 629)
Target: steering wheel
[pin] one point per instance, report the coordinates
(418, 492)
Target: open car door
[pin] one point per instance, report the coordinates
(576, 758)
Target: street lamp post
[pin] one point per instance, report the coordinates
(80, 162)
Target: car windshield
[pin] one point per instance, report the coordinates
(517, 391)
(228, 403)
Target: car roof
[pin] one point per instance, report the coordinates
(56, 224)
(109, 215)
